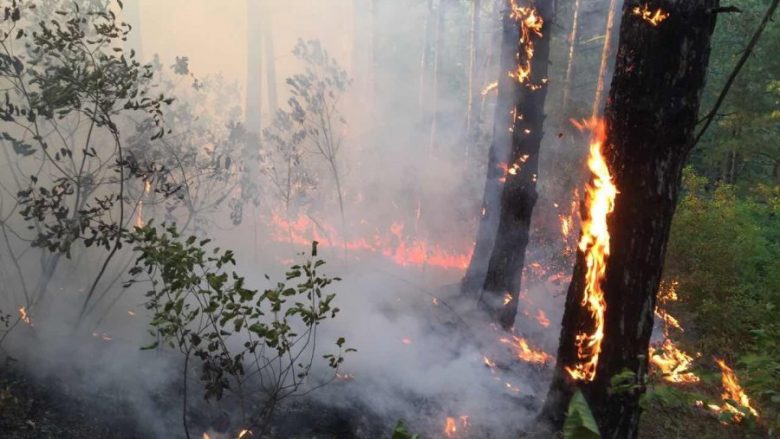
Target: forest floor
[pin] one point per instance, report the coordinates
(48, 410)
(31, 409)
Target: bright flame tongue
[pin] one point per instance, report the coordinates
(594, 243)
(733, 391)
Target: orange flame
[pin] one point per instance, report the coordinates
(594, 243)
(451, 425)
(530, 24)
(673, 363)
(653, 17)
(401, 249)
(524, 351)
(732, 391)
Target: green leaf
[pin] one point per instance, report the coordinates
(580, 423)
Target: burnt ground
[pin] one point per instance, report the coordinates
(47, 409)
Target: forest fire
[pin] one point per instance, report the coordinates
(531, 23)
(594, 243)
(524, 352)
(673, 363)
(732, 394)
(452, 425)
(653, 17)
(393, 244)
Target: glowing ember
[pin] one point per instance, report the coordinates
(345, 377)
(244, 434)
(542, 319)
(653, 17)
(23, 316)
(524, 352)
(488, 362)
(594, 243)
(488, 88)
(406, 340)
(507, 298)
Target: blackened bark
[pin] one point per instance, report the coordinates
(519, 193)
(651, 114)
(498, 154)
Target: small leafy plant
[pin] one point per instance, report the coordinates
(259, 345)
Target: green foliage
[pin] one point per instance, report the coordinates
(580, 423)
(400, 432)
(204, 309)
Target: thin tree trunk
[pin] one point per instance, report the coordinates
(270, 59)
(473, 90)
(519, 193)
(437, 47)
(650, 118)
(570, 59)
(498, 155)
(254, 70)
(424, 58)
(606, 54)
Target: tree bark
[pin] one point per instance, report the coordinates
(519, 192)
(651, 115)
(498, 154)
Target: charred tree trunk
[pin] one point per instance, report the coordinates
(519, 193)
(270, 60)
(650, 117)
(498, 155)
(254, 69)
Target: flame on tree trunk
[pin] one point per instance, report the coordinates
(498, 155)
(519, 192)
(650, 117)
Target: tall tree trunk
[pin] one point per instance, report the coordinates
(498, 155)
(519, 193)
(254, 68)
(424, 58)
(650, 118)
(473, 90)
(570, 60)
(437, 48)
(270, 59)
(606, 55)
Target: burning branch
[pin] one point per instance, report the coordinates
(653, 17)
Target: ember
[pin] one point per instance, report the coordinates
(653, 17)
